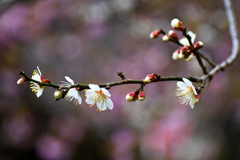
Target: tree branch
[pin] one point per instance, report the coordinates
(235, 42)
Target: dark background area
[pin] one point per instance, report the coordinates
(90, 41)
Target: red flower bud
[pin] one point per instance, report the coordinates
(150, 78)
(155, 34)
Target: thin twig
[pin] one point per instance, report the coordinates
(212, 64)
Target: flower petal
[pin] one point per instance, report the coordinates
(94, 87)
(191, 105)
(184, 41)
(36, 77)
(102, 105)
(89, 92)
(39, 92)
(181, 84)
(192, 35)
(188, 83)
(69, 79)
(106, 92)
(39, 71)
(109, 103)
(89, 100)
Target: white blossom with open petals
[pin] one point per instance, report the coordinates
(187, 93)
(98, 96)
(72, 94)
(34, 86)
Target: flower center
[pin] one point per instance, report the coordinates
(187, 91)
(100, 96)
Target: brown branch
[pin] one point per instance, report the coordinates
(235, 42)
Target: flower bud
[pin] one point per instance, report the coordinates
(198, 45)
(150, 78)
(58, 95)
(165, 38)
(173, 35)
(176, 24)
(141, 95)
(21, 80)
(155, 34)
(130, 97)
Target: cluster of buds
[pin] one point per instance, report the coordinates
(188, 47)
(170, 36)
(135, 95)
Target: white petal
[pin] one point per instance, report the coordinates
(102, 105)
(192, 35)
(175, 55)
(89, 92)
(39, 92)
(181, 84)
(89, 100)
(191, 105)
(109, 103)
(77, 96)
(106, 92)
(69, 79)
(94, 87)
(36, 77)
(194, 90)
(184, 41)
(39, 71)
(188, 83)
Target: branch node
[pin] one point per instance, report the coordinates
(122, 76)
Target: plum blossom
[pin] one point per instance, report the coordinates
(36, 88)
(98, 96)
(72, 94)
(187, 92)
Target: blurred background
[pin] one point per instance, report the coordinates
(90, 41)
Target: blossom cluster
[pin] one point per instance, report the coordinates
(94, 96)
(187, 43)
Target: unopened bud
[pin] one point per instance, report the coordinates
(165, 38)
(21, 80)
(176, 24)
(58, 95)
(141, 95)
(173, 35)
(130, 97)
(155, 34)
(198, 45)
(150, 78)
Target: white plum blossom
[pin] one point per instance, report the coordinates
(72, 94)
(99, 96)
(34, 86)
(187, 92)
